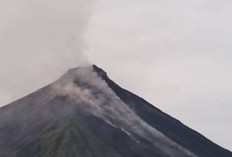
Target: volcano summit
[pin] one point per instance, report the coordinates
(85, 114)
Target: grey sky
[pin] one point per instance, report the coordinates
(175, 54)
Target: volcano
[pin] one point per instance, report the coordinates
(85, 114)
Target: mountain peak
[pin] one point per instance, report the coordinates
(99, 71)
(84, 74)
(84, 113)
(85, 69)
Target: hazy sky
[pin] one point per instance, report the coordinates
(175, 54)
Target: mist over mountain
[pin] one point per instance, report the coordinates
(85, 114)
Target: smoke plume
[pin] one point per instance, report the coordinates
(93, 95)
(40, 39)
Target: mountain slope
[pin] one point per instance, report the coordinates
(71, 139)
(85, 114)
(171, 127)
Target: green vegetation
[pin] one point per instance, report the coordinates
(72, 139)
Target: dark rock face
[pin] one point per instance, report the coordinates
(168, 125)
(77, 119)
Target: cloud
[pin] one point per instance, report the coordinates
(40, 40)
(175, 54)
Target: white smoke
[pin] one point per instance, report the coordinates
(40, 40)
(92, 94)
